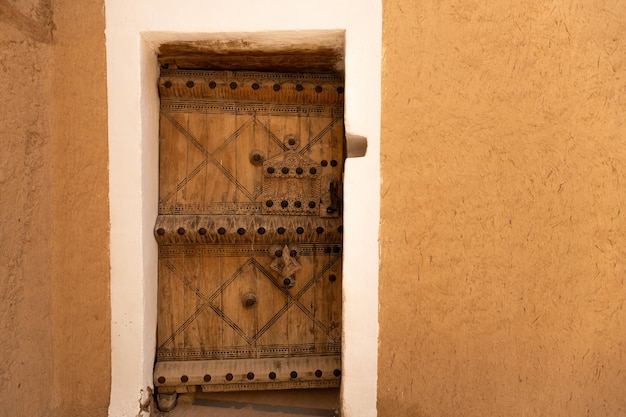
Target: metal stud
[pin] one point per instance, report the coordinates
(280, 230)
(333, 163)
(340, 90)
(160, 231)
(202, 231)
(297, 204)
(287, 281)
(299, 87)
(276, 87)
(207, 378)
(337, 372)
(184, 378)
(167, 84)
(233, 85)
(278, 253)
(332, 277)
(319, 230)
(190, 84)
(257, 158)
(272, 375)
(269, 203)
(300, 230)
(261, 230)
(318, 88)
(255, 86)
(293, 374)
(284, 203)
(318, 373)
(229, 376)
(270, 170)
(221, 231)
(161, 380)
(313, 171)
(241, 231)
(324, 163)
(285, 170)
(250, 376)
(311, 204)
(299, 171)
(293, 253)
(181, 231)
(212, 85)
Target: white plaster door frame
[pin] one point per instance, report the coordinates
(134, 32)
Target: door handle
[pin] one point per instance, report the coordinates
(249, 299)
(335, 201)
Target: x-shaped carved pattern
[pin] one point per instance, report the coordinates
(208, 302)
(211, 157)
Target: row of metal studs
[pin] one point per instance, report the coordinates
(300, 171)
(255, 86)
(241, 231)
(249, 376)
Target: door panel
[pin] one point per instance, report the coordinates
(249, 231)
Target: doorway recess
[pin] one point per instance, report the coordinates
(252, 148)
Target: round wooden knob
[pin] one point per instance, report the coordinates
(248, 299)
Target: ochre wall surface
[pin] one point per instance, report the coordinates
(54, 265)
(26, 339)
(502, 284)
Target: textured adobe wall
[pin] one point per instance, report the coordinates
(503, 252)
(80, 211)
(25, 282)
(54, 266)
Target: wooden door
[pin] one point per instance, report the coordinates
(249, 231)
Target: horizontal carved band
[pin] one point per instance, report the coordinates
(252, 87)
(206, 106)
(246, 250)
(243, 352)
(248, 374)
(234, 229)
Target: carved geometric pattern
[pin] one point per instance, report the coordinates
(247, 351)
(210, 158)
(213, 159)
(208, 302)
(236, 250)
(291, 182)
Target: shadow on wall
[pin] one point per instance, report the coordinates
(39, 28)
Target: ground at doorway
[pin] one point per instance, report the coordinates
(287, 403)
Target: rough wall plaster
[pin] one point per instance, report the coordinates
(80, 224)
(54, 306)
(25, 305)
(504, 162)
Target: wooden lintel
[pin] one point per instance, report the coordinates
(189, 55)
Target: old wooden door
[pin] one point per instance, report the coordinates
(249, 231)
